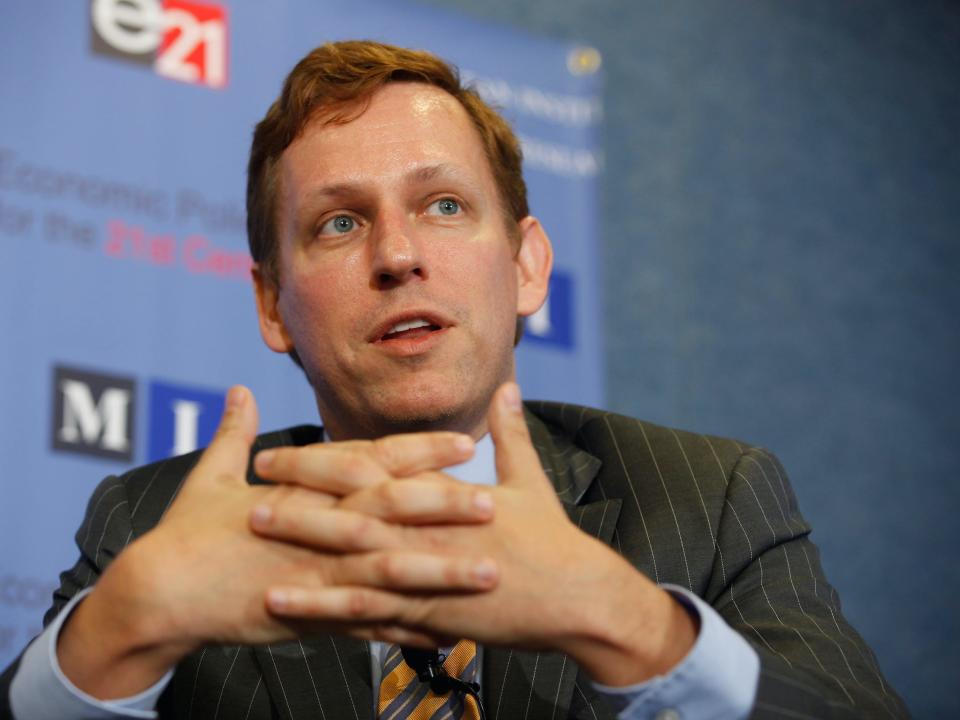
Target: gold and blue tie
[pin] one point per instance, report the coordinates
(404, 697)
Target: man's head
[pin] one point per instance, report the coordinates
(334, 84)
(399, 259)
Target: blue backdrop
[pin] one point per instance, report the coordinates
(128, 307)
(780, 253)
(781, 237)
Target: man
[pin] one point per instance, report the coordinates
(394, 253)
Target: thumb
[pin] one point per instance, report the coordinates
(517, 461)
(229, 452)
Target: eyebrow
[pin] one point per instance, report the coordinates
(431, 172)
(448, 171)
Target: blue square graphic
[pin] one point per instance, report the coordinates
(182, 418)
(553, 323)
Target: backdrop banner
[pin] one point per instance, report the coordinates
(128, 306)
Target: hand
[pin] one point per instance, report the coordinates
(201, 575)
(559, 589)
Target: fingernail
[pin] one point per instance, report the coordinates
(483, 501)
(235, 397)
(264, 460)
(261, 515)
(463, 443)
(485, 571)
(277, 599)
(511, 397)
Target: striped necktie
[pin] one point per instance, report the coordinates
(404, 697)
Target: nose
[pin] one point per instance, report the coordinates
(397, 255)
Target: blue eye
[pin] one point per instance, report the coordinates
(445, 206)
(338, 225)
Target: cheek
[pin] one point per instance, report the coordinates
(482, 262)
(492, 282)
(308, 306)
(324, 283)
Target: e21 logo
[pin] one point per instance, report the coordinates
(182, 40)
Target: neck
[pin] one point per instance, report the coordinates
(339, 428)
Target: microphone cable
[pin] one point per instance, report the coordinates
(428, 664)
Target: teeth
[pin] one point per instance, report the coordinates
(408, 325)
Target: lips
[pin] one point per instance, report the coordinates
(411, 328)
(408, 325)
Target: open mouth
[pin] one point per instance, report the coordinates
(410, 326)
(409, 329)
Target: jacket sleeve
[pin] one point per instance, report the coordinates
(767, 583)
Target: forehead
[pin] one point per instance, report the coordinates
(405, 128)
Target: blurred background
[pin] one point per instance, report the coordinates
(780, 224)
(757, 212)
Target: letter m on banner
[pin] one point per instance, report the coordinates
(93, 414)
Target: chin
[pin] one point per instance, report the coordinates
(455, 400)
(420, 410)
(423, 409)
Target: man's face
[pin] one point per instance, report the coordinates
(399, 287)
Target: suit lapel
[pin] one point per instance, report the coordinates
(539, 685)
(570, 469)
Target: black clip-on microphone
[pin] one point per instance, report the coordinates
(428, 664)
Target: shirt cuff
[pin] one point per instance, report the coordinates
(40, 690)
(717, 679)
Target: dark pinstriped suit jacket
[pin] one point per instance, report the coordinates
(702, 512)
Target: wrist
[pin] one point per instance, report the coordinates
(635, 631)
(113, 644)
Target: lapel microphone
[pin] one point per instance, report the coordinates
(428, 664)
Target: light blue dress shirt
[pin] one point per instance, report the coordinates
(717, 679)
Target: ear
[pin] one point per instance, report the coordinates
(534, 262)
(272, 329)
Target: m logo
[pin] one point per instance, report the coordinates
(93, 413)
(182, 419)
(552, 324)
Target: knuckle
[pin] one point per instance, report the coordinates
(518, 429)
(452, 573)
(389, 569)
(390, 633)
(286, 463)
(280, 460)
(281, 501)
(416, 614)
(357, 531)
(381, 633)
(228, 423)
(390, 497)
(279, 494)
(433, 539)
(325, 500)
(387, 453)
(323, 574)
(446, 443)
(453, 496)
(354, 468)
(359, 604)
